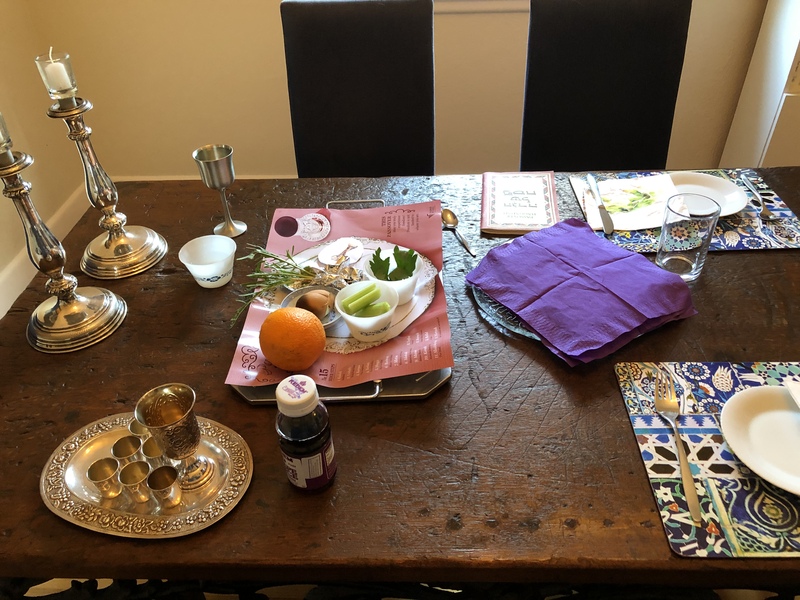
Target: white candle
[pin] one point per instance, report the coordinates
(57, 77)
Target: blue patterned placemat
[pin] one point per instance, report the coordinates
(741, 231)
(743, 515)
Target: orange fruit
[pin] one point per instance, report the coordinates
(292, 338)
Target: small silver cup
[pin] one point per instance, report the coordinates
(168, 413)
(127, 450)
(152, 453)
(164, 484)
(133, 477)
(104, 474)
(138, 429)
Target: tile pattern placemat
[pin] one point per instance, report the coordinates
(743, 515)
(741, 231)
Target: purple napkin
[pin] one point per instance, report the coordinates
(584, 296)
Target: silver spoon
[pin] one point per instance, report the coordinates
(765, 214)
(450, 221)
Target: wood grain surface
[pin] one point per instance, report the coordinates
(519, 469)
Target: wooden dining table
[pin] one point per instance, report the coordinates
(518, 469)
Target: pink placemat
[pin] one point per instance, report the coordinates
(423, 346)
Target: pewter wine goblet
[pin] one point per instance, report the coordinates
(216, 168)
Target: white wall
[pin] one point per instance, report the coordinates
(167, 77)
(722, 35)
(764, 131)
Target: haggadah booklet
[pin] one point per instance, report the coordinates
(516, 203)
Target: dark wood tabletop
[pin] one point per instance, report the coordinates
(519, 469)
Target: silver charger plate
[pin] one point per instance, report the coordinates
(498, 315)
(66, 491)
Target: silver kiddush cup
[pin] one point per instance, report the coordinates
(168, 413)
(215, 163)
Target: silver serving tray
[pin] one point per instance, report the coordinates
(66, 491)
(406, 387)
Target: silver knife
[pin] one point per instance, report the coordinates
(608, 224)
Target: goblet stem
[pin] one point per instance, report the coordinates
(228, 227)
(195, 471)
(225, 208)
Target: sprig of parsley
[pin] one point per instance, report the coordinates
(405, 261)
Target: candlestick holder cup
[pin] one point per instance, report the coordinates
(73, 317)
(216, 169)
(120, 252)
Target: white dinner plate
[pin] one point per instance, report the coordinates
(762, 427)
(730, 197)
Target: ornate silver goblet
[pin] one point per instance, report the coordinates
(168, 413)
(216, 169)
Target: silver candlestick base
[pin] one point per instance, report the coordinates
(73, 318)
(120, 252)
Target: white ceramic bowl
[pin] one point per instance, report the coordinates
(368, 329)
(209, 259)
(405, 288)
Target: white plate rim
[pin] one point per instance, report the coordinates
(738, 412)
(727, 194)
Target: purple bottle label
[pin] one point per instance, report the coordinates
(313, 471)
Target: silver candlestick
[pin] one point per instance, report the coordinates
(120, 252)
(73, 318)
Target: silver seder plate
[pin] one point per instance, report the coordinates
(66, 491)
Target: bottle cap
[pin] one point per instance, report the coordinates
(297, 395)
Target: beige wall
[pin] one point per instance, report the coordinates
(168, 76)
(764, 130)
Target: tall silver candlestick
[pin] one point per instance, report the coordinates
(72, 318)
(120, 252)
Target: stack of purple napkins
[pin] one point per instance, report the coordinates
(582, 295)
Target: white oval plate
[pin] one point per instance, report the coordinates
(762, 427)
(730, 197)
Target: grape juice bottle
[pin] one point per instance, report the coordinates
(305, 433)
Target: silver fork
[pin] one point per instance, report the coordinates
(667, 406)
(765, 214)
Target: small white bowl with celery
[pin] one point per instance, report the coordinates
(367, 307)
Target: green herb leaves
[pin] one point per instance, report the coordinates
(274, 271)
(405, 261)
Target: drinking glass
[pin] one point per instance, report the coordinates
(215, 162)
(689, 223)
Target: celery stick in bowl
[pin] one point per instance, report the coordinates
(367, 307)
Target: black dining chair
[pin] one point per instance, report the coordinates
(601, 83)
(361, 93)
